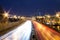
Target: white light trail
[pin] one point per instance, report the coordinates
(23, 32)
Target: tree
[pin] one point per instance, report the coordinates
(1, 13)
(1, 10)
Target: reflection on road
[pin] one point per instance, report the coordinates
(45, 33)
(23, 32)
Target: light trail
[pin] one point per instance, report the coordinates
(45, 33)
(23, 32)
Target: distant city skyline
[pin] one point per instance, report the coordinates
(31, 7)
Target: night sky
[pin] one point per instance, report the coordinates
(31, 7)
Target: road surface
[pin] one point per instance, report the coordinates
(45, 33)
(23, 32)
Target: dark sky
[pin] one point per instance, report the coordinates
(31, 7)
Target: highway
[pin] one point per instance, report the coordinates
(45, 33)
(23, 32)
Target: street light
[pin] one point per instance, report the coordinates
(6, 14)
(18, 16)
(22, 17)
(57, 15)
(48, 16)
(15, 16)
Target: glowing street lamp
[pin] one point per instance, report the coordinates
(5, 14)
(48, 16)
(15, 16)
(18, 16)
(57, 15)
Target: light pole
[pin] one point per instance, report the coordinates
(6, 14)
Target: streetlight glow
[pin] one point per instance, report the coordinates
(5, 14)
(57, 15)
(15, 16)
(48, 16)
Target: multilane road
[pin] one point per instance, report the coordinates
(23, 32)
(45, 33)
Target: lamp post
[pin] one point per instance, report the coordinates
(57, 15)
(6, 14)
(5, 17)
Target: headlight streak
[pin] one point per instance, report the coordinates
(23, 32)
(45, 33)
